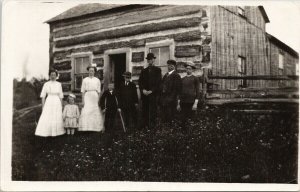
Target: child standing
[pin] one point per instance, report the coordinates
(109, 105)
(71, 115)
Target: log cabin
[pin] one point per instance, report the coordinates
(222, 41)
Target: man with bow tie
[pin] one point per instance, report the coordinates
(129, 101)
(171, 88)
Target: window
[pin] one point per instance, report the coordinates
(297, 69)
(242, 70)
(242, 65)
(241, 11)
(162, 56)
(80, 72)
(280, 62)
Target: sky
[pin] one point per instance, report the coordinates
(25, 35)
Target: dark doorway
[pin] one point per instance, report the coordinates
(118, 67)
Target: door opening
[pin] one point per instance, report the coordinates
(117, 68)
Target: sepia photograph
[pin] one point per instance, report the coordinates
(149, 94)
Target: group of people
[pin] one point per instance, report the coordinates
(170, 92)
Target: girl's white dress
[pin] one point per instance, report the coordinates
(70, 116)
(51, 120)
(91, 117)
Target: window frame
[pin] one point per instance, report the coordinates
(243, 67)
(164, 43)
(280, 61)
(76, 75)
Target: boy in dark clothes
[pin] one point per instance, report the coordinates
(109, 105)
(129, 102)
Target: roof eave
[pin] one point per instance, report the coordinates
(264, 14)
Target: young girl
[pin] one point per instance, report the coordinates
(71, 115)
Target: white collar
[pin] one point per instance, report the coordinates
(171, 72)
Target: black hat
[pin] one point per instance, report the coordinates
(150, 56)
(93, 65)
(127, 74)
(171, 62)
(191, 64)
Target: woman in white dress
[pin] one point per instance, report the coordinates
(51, 120)
(91, 118)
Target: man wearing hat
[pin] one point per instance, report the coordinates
(189, 94)
(171, 87)
(129, 101)
(149, 84)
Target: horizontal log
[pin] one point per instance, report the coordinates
(130, 31)
(187, 51)
(99, 49)
(65, 65)
(249, 100)
(138, 56)
(129, 18)
(259, 91)
(258, 77)
(188, 36)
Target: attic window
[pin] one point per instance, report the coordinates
(241, 11)
(280, 62)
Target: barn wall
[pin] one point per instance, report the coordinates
(233, 35)
(185, 27)
(289, 66)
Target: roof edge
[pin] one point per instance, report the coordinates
(264, 13)
(283, 45)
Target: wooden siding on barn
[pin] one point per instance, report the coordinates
(234, 36)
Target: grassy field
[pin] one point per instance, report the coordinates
(222, 146)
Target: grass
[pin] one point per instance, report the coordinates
(221, 146)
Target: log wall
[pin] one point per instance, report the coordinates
(186, 26)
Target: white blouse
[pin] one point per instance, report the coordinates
(91, 84)
(52, 88)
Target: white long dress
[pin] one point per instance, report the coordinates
(51, 120)
(91, 118)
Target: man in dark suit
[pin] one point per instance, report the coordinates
(149, 84)
(129, 101)
(109, 105)
(171, 88)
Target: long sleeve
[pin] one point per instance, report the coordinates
(135, 96)
(44, 92)
(61, 94)
(141, 81)
(197, 87)
(83, 86)
(178, 85)
(77, 112)
(65, 112)
(98, 86)
(156, 89)
(102, 100)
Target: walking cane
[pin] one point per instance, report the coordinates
(120, 113)
(123, 124)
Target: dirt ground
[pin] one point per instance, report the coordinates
(222, 145)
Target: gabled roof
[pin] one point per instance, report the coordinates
(264, 14)
(282, 45)
(83, 9)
